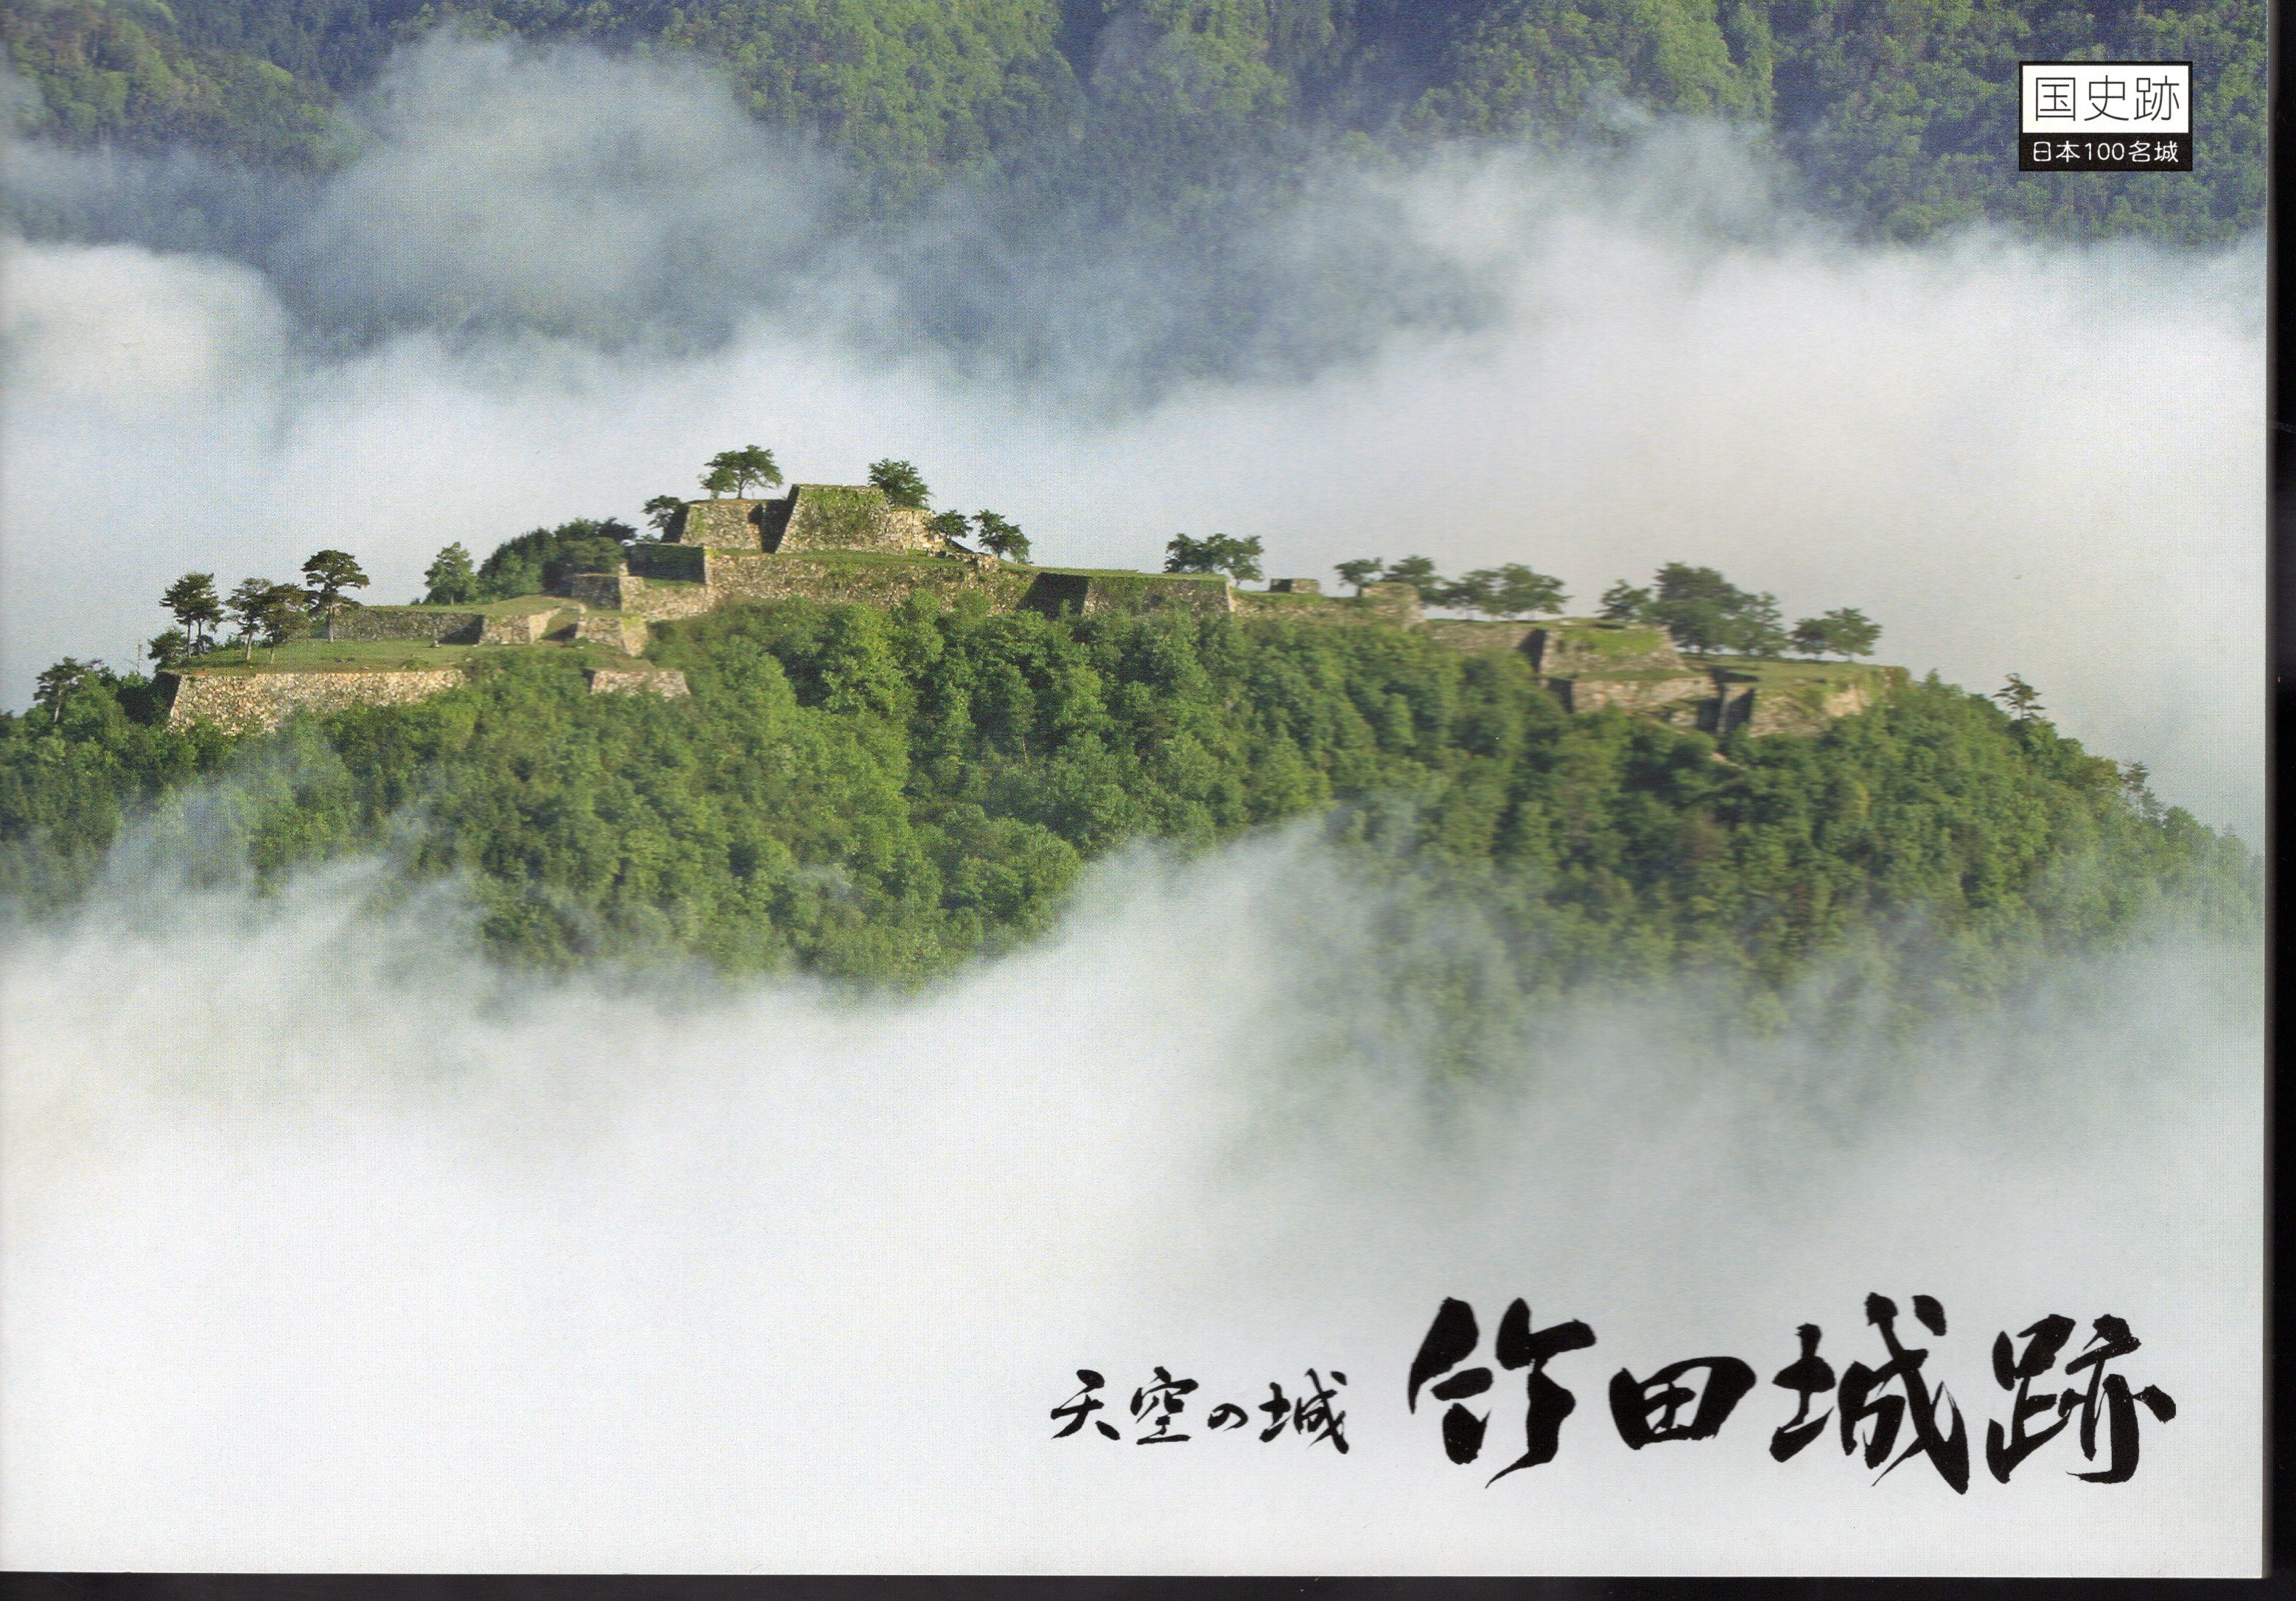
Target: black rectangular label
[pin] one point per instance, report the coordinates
(2108, 152)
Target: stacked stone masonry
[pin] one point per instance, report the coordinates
(666, 682)
(253, 703)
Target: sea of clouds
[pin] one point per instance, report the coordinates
(324, 1244)
(327, 1246)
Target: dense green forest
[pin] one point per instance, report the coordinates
(877, 796)
(1896, 114)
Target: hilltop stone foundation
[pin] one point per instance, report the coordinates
(849, 545)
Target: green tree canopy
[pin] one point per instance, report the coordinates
(541, 560)
(1624, 603)
(1706, 613)
(2022, 700)
(902, 483)
(327, 575)
(749, 467)
(1000, 537)
(248, 603)
(876, 795)
(450, 578)
(1168, 110)
(283, 613)
(55, 684)
(1510, 590)
(1846, 632)
(1214, 553)
(193, 601)
(1419, 573)
(1358, 573)
(169, 648)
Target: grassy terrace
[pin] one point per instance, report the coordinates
(390, 655)
(1772, 672)
(1608, 638)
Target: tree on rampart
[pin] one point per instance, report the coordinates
(453, 581)
(662, 512)
(326, 577)
(191, 600)
(734, 472)
(1845, 632)
(283, 617)
(265, 611)
(1419, 573)
(1510, 590)
(1358, 574)
(1624, 603)
(1214, 553)
(902, 483)
(1704, 611)
(1000, 537)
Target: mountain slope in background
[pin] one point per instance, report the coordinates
(1895, 115)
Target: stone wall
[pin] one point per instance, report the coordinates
(1398, 604)
(1591, 648)
(681, 563)
(1476, 637)
(727, 524)
(1806, 706)
(250, 702)
(522, 628)
(598, 590)
(611, 629)
(666, 682)
(849, 517)
(653, 599)
(1138, 595)
(441, 624)
(1639, 695)
(738, 576)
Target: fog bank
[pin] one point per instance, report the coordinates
(326, 1247)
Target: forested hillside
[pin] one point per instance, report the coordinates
(877, 796)
(1896, 114)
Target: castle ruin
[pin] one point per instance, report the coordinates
(844, 543)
